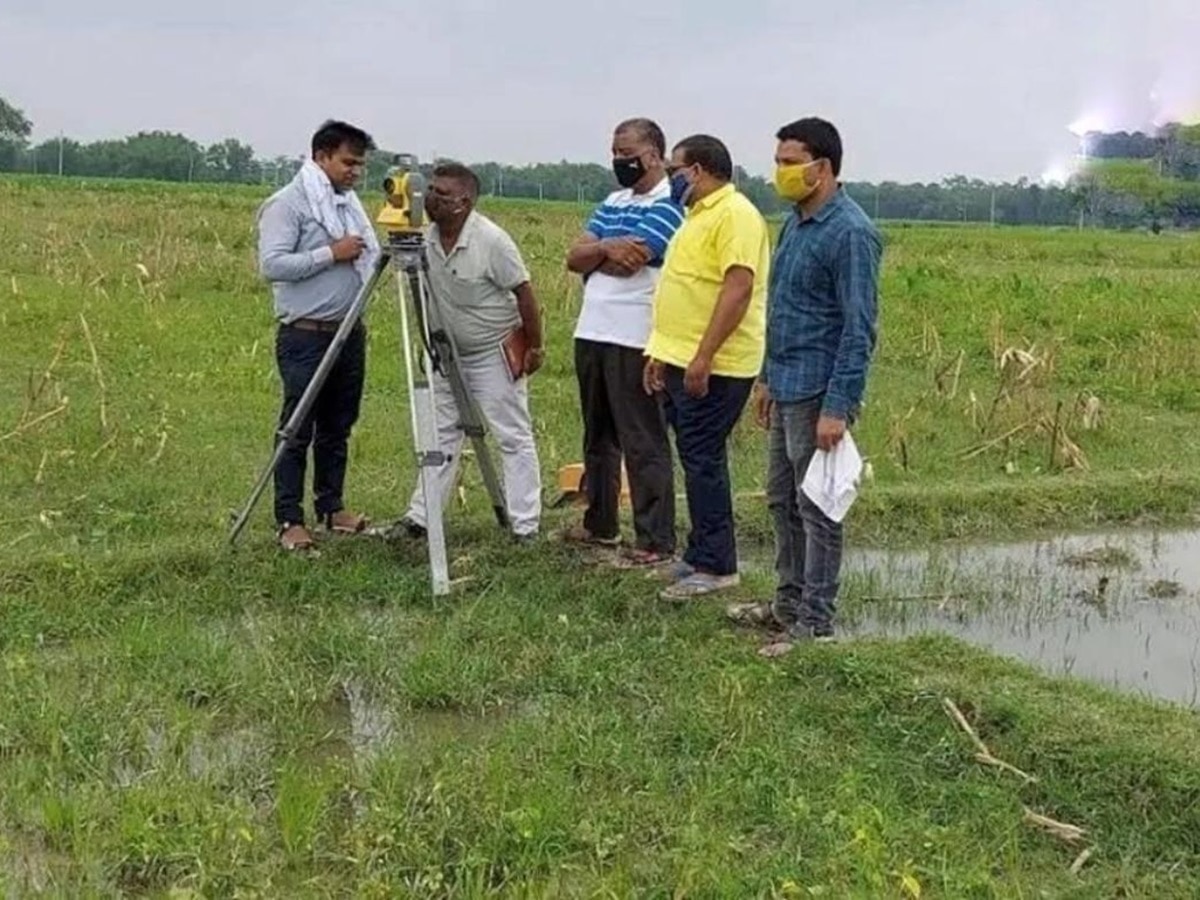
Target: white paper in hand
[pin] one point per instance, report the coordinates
(831, 481)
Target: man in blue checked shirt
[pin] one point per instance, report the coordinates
(620, 258)
(822, 310)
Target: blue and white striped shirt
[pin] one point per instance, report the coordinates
(655, 222)
(618, 310)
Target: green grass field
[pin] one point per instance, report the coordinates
(177, 717)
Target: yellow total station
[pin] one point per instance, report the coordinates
(404, 186)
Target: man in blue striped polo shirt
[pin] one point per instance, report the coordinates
(620, 257)
(822, 312)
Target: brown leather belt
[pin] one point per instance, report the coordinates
(322, 325)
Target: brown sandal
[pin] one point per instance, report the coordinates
(641, 559)
(352, 523)
(294, 538)
(577, 534)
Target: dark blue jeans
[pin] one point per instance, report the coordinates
(327, 427)
(808, 544)
(702, 426)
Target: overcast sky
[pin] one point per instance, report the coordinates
(921, 89)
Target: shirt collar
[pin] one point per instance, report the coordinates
(663, 188)
(464, 236)
(828, 208)
(715, 197)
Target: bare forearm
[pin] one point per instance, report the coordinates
(531, 315)
(586, 256)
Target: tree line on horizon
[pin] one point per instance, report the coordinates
(1123, 180)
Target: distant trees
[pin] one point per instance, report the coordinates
(1124, 180)
(1130, 179)
(14, 133)
(158, 155)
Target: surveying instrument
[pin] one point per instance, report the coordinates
(403, 218)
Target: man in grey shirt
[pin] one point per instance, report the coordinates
(316, 246)
(485, 301)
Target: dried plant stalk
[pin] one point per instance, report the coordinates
(1062, 830)
(984, 755)
(87, 333)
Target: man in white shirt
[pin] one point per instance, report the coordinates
(620, 257)
(485, 301)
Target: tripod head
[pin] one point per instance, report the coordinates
(404, 186)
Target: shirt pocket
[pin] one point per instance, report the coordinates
(813, 278)
(468, 279)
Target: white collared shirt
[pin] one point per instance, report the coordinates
(474, 283)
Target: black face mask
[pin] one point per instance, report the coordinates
(629, 170)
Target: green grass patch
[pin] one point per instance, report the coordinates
(175, 716)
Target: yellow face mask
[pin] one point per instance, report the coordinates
(790, 182)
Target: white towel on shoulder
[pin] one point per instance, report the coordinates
(831, 481)
(339, 214)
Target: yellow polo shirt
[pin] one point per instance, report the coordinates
(721, 231)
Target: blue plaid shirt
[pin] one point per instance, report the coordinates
(822, 307)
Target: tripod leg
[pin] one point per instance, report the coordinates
(287, 433)
(430, 457)
(445, 353)
(429, 460)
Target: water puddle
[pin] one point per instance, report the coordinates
(1118, 608)
(203, 754)
(359, 727)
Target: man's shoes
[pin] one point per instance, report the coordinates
(401, 529)
(580, 536)
(785, 642)
(637, 558)
(343, 522)
(526, 540)
(411, 529)
(756, 615)
(295, 538)
(671, 572)
(699, 584)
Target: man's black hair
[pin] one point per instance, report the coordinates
(460, 173)
(819, 136)
(646, 130)
(709, 153)
(333, 135)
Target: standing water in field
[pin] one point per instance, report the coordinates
(1121, 608)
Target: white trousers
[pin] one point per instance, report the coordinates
(505, 408)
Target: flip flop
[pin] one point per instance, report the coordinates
(699, 584)
(671, 572)
(753, 614)
(641, 559)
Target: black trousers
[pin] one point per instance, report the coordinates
(702, 428)
(327, 427)
(620, 419)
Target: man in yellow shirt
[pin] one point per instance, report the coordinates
(706, 349)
